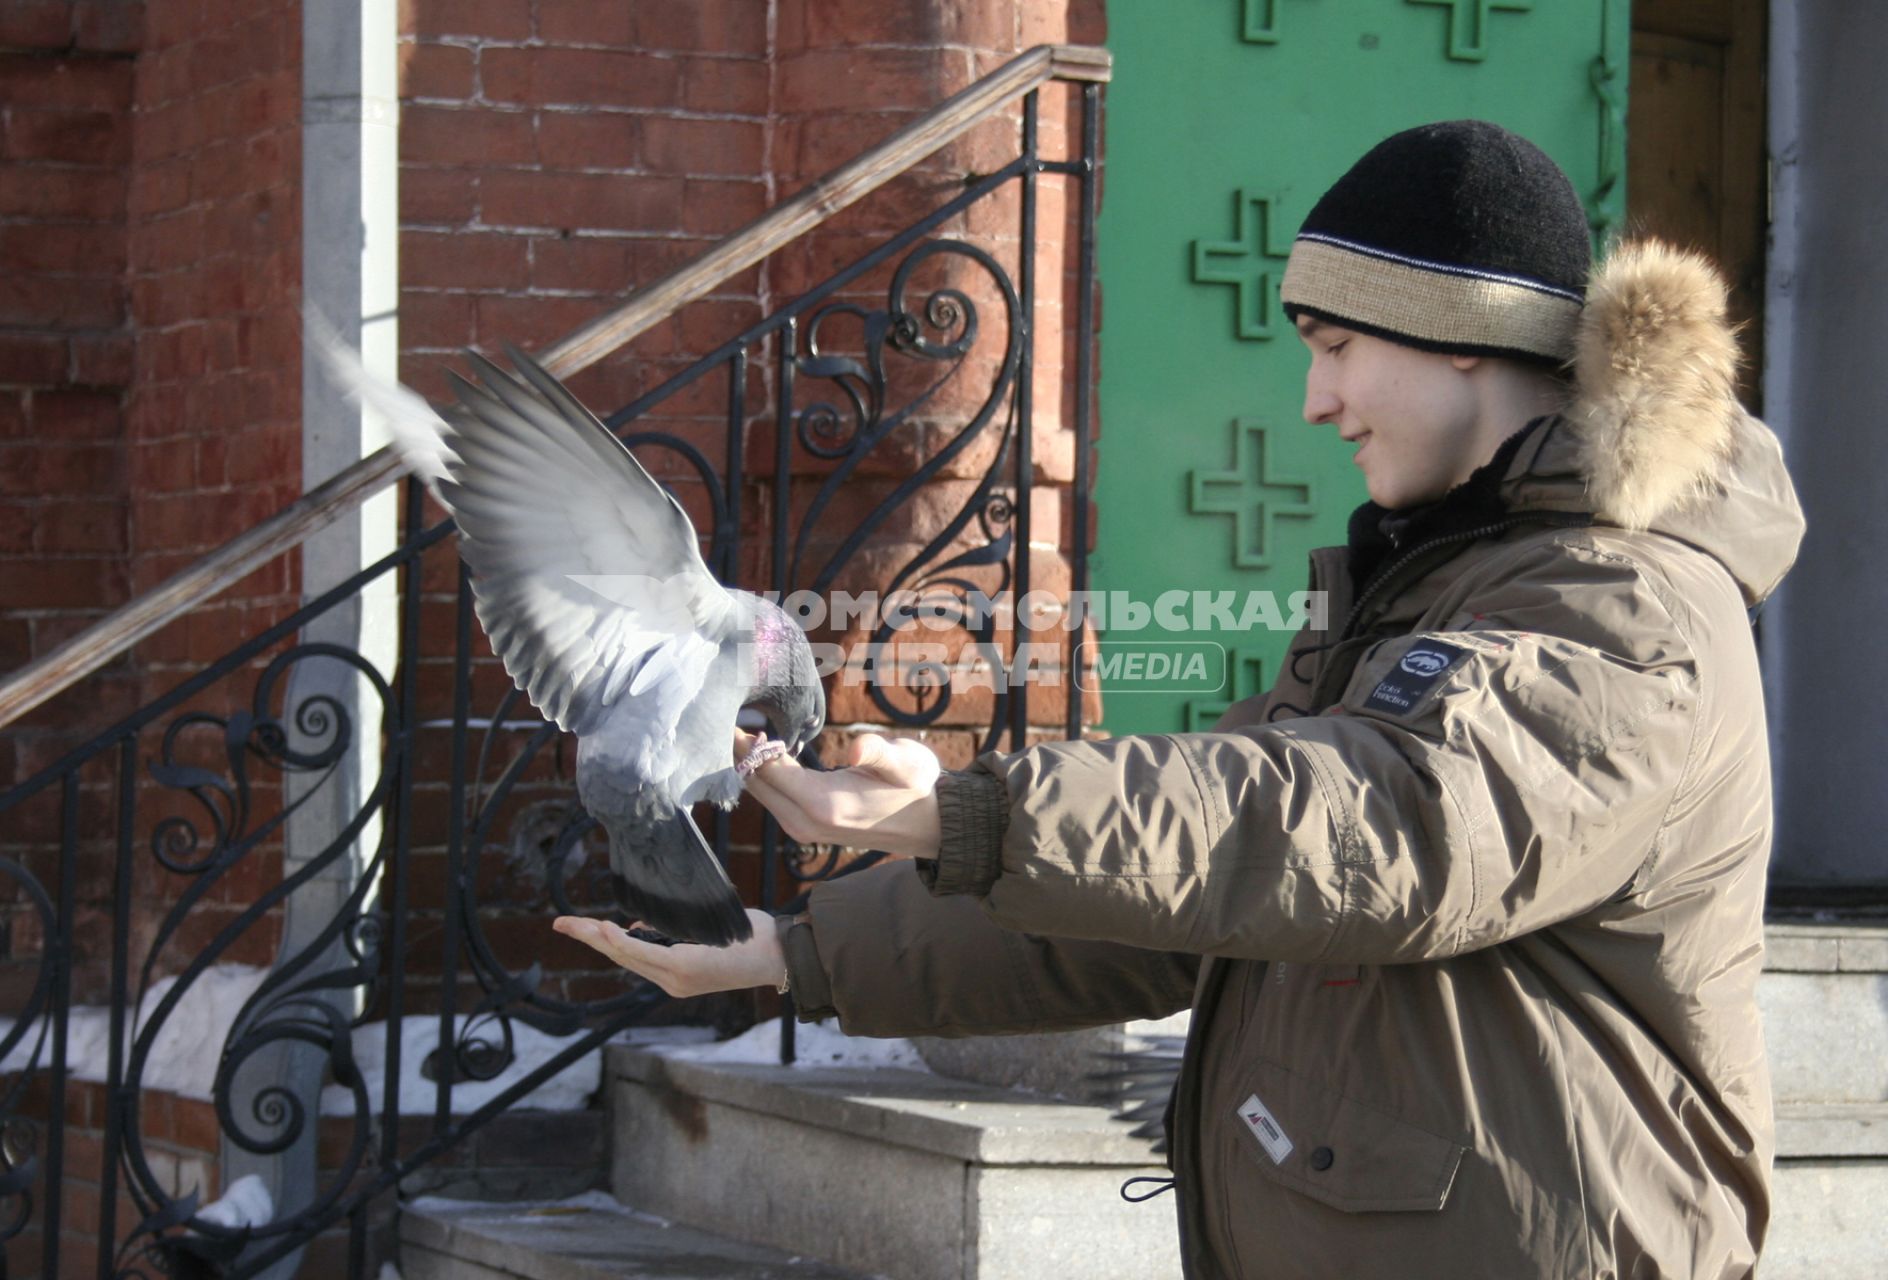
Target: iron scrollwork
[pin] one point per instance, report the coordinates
(874, 371)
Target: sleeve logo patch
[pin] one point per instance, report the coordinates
(1426, 662)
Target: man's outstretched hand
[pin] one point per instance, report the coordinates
(684, 968)
(886, 799)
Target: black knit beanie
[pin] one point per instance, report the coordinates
(1458, 237)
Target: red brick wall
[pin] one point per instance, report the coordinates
(214, 431)
(149, 400)
(67, 84)
(214, 427)
(848, 75)
(149, 351)
(66, 93)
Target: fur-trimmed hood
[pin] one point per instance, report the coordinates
(1655, 436)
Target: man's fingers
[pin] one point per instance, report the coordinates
(867, 751)
(789, 792)
(610, 940)
(902, 762)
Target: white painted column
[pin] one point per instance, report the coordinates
(350, 276)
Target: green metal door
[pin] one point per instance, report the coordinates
(1226, 120)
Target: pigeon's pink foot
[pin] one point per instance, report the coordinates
(764, 750)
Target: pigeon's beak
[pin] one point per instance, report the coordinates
(807, 731)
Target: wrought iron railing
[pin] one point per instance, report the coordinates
(855, 368)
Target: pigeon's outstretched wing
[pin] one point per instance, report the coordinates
(590, 584)
(587, 574)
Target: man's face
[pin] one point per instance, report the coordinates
(1412, 414)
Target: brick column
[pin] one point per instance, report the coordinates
(848, 75)
(66, 89)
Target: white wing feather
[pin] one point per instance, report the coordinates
(586, 572)
(410, 420)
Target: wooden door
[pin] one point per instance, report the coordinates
(1697, 170)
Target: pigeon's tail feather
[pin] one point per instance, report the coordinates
(667, 877)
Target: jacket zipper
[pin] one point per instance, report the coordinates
(1564, 519)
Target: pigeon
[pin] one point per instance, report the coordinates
(588, 578)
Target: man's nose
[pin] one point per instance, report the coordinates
(1321, 403)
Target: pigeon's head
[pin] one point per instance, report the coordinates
(795, 713)
(787, 690)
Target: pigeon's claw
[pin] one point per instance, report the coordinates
(764, 751)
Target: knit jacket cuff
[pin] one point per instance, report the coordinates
(806, 976)
(973, 808)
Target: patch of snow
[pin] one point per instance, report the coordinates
(189, 1044)
(568, 1090)
(388, 1272)
(247, 1203)
(815, 1044)
(186, 1049)
(596, 1201)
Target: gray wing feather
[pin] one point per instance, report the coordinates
(583, 566)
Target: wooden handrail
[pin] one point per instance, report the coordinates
(92, 648)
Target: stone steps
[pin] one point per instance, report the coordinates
(1824, 996)
(590, 1237)
(887, 1170)
(1832, 1130)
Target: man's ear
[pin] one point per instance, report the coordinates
(1464, 363)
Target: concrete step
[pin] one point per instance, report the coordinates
(1836, 1130)
(886, 1170)
(1824, 999)
(1826, 1219)
(589, 1237)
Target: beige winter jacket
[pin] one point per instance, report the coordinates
(1468, 908)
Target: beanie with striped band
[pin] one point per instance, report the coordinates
(1459, 237)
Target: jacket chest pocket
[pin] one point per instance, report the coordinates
(1333, 1148)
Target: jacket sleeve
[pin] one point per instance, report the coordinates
(890, 959)
(1473, 784)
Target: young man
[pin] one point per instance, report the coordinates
(1468, 907)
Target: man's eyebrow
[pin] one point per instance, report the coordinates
(1309, 325)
